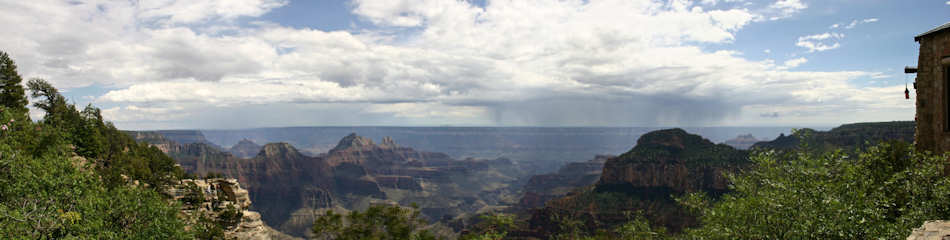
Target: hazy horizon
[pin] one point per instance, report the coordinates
(487, 126)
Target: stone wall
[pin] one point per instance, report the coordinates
(931, 93)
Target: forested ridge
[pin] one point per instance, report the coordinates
(881, 191)
(73, 175)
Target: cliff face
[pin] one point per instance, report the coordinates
(541, 188)
(226, 202)
(289, 189)
(153, 138)
(281, 180)
(675, 160)
(676, 177)
(386, 158)
(663, 163)
(742, 142)
(245, 149)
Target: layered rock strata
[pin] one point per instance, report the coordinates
(220, 198)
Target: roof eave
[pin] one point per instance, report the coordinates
(936, 30)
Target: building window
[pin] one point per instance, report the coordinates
(946, 97)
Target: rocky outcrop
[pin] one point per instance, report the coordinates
(225, 201)
(742, 142)
(853, 136)
(153, 138)
(185, 136)
(388, 142)
(282, 181)
(664, 163)
(399, 182)
(541, 188)
(931, 230)
(245, 149)
(675, 176)
(673, 159)
(353, 141)
(384, 159)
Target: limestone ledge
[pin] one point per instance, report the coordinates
(218, 193)
(932, 230)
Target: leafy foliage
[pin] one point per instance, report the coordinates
(51, 197)
(118, 157)
(207, 228)
(193, 195)
(884, 192)
(12, 96)
(230, 217)
(377, 222)
(72, 175)
(638, 228)
(491, 227)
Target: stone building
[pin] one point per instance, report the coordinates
(933, 90)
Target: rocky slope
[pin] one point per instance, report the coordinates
(672, 159)
(544, 187)
(245, 149)
(225, 202)
(931, 230)
(155, 139)
(742, 142)
(290, 189)
(848, 136)
(281, 180)
(664, 163)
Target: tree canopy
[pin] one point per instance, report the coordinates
(12, 95)
(377, 222)
(72, 175)
(883, 192)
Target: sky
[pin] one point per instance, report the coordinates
(224, 64)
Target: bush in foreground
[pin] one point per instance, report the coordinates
(882, 193)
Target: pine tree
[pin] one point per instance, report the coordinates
(12, 95)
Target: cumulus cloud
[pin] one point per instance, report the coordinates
(820, 42)
(852, 24)
(792, 63)
(136, 113)
(424, 62)
(192, 11)
(855, 23)
(829, 40)
(786, 8)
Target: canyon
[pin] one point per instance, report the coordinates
(290, 188)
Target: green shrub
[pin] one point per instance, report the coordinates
(883, 192)
(377, 222)
(71, 174)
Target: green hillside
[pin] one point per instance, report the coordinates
(73, 175)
